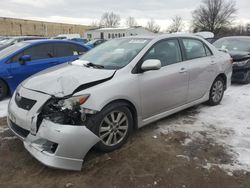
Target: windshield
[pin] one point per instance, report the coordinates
(116, 53)
(11, 49)
(233, 44)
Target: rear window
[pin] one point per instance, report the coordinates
(194, 48)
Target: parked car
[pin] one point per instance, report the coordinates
(96, 42)
(68, 36)
(123, 84)
(212, 40)
(8, 41)
(239, 48)
(80, 40)
(21, 60)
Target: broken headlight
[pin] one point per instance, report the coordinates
(241, 63)
(66, 111)
(73, 102)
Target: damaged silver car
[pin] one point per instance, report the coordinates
(121, 85)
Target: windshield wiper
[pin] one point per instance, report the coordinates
(94, 65)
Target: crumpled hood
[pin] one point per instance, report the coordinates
(239, 55)
(63, 80)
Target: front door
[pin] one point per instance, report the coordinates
(164, 89)
(42, 57)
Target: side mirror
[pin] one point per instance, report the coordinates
(151, 64)
(24, 59)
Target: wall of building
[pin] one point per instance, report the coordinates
(17, 27)
(109, 33)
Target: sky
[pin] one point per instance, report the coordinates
(86, 11)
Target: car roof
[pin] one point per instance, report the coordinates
(162, 36)
(50, 41)
(237, 37)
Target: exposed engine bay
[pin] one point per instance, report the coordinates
(66, 111)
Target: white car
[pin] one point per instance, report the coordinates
(121, 85)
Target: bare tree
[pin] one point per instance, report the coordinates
(176, 25)
(131, 22)
(110, 19)
(153, 26)
(213, 15)
(95, 24)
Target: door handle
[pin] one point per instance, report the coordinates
(183, 70)
(213, 62)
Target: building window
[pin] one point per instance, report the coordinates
(124, 34)
(113, 35)
(89, 36)
(119, 35)
(109, 36)
(116, 35)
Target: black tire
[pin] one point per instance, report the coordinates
(247, 79)
(213, 100)
(3, 90)
(96, 122)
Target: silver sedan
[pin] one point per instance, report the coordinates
(121, 85)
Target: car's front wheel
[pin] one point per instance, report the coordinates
(113, 126)
(3, 90)
(216, 92)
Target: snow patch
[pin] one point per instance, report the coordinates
(4, 107)
(228, 124)
(9, 138)
(183, 157)
(3, 129)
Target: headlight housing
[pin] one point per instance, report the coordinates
(241, 63)
(73, 102)
(67, 111)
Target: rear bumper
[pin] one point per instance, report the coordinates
(54, 145)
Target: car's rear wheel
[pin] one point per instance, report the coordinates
(113, 126)
(247, 79)
(216, 92)
(3, 90)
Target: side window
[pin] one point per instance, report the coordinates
(167, 51)
(81, 50)
(194, 48)
(16, 57)
(65, 49)
(208, 51)
(41, 51)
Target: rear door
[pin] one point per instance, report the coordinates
(201, 66)
(42, 57)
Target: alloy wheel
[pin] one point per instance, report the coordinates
(113, 128)
(217, 91)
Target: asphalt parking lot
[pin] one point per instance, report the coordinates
(199, 147)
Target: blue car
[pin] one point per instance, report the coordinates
(24, 59)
